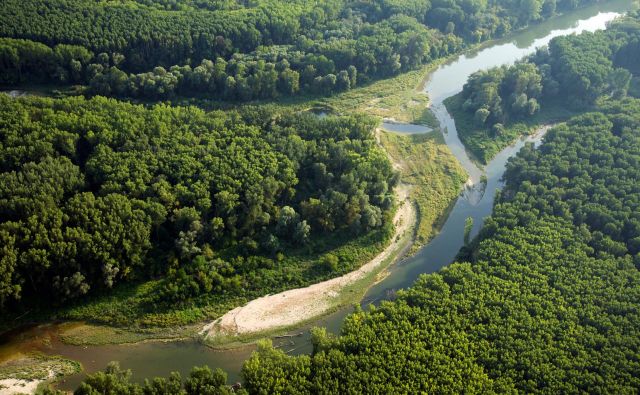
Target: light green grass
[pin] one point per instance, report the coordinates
(401, 98)
(37, 367)
(436, 177)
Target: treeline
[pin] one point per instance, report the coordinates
(140, 51)
(148, 37)
(547, 303)
(574, 70)
(382, 50)
(97, 192)
(114, 380)
(185, 5)
(240, 79)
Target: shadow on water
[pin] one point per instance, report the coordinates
(476, 202)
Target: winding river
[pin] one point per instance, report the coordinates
(476, 202)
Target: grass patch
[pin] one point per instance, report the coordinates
(483, 144)
(428, 165)
(86, 334)
(38, 367)
(400, 97)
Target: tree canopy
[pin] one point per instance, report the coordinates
(97, 192)
(547, 301)
(241, 51)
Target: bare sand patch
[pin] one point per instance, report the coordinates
(295, 306)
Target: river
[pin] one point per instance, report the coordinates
(476, 202)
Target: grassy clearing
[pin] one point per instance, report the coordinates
(428, 165)
(38, 367)
(400, 98)
(483, 144)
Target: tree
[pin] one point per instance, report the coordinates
(289, 82)
(481, 116)
(329, 262)
(113, 381)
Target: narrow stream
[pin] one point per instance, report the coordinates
(158, 359)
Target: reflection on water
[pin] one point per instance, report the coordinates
(473, 193)
(405, 128)
(450, 78)
(153, 359)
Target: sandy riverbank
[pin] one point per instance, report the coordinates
(22, 386)
(24, 373)
(286, 309)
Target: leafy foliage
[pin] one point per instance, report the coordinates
(115, 381)
(241, 50)
(547, 304)
(497, 105)
(97, 192)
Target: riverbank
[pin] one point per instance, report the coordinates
(433, 257)
(483, 144)
(432, 180)
(437, 178)
(29, 373)
(297, 306)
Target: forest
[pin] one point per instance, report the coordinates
(545, 300)
(498, 104)
(223, 50)
(97, 192)
(124, 210)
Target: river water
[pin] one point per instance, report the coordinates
(476, 202)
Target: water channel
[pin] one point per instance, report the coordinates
(158, 359)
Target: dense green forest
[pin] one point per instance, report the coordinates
(98, 192)
(224, 50)
(548, 302)
(499, 104)
(95, 192)
(545, 300)
(149, 215)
